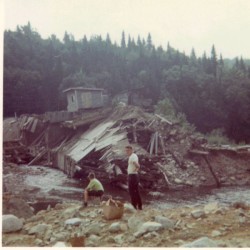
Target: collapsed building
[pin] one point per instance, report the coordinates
(170, 156)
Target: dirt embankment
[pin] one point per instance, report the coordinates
(224, 227)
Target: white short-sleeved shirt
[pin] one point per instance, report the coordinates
(131, 167)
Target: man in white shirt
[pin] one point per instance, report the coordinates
(133, 178)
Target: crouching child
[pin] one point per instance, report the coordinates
(94, 188)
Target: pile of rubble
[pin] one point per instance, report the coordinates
(170, 156)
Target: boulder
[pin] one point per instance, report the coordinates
(73, 222)
(201, 242)
(146, 227)
(198, 213)
(165, 222)
(10, 223)
(17, 207)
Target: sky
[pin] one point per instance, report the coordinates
(185, 24)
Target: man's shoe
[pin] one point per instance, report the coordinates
(85, 204)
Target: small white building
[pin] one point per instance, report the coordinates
(84, 98)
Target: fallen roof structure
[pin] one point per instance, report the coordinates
(170, 156)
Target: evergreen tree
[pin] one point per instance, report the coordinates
(214, 61)
(123, 41)
(149, 42)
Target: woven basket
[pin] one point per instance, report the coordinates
(113, 209)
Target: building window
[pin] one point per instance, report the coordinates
(72, 98)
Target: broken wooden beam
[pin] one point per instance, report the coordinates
(211, 170)
(198, 152)
(164, 119)
(38, 157)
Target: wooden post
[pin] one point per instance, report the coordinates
(156, 143)
(211, 170)
(152, 144)
(162, 145)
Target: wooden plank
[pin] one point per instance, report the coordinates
(162, 145)
(211, 170)
(38, 157)
(198, 152)
(164, 119)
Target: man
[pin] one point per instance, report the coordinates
(133, 178)
(94, 188)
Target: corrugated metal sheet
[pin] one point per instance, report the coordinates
(95, 139)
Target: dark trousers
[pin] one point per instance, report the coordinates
(133, 186)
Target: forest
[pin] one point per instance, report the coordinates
(211, 92)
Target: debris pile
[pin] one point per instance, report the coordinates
(170, 155)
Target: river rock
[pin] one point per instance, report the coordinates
(115, 227)
(48, 234)
(58, 206)
(177, 181)
(17, 207)
(61, 236)
(165, 222)
(39, 229)
(242, 220)
(70, 212)
(215, 233)
(189, 183)
(39, 242)
(94, 238)
(128, 208)
(119, 239)
(10, 223)
(150, 235)
(203, 178)
(73, 222)
(201, 242)
(60, 244)
(134, 223)
(146, 227)
(198, 213)
(93, 229)
(211, 207)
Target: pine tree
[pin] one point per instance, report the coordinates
(149, 42)
(242, 66)
(108, 40)
(193, 58)
(123, 41)
(214, 61)
(139, 43)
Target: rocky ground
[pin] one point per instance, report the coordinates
(210, 225)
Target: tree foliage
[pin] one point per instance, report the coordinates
(212, 92)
